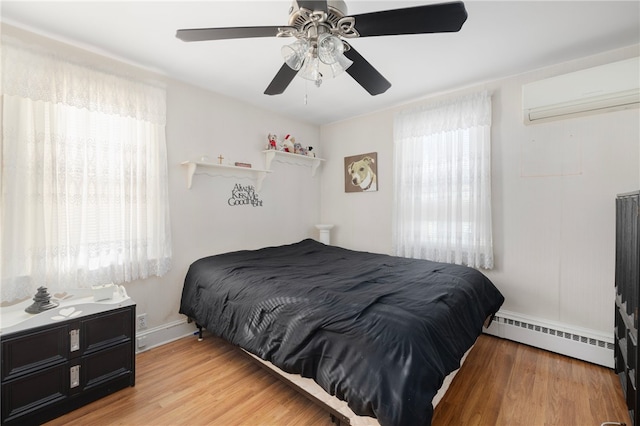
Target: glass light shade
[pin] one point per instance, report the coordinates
(311, 69)
(330, 48)
(338, 67)
(294, 53)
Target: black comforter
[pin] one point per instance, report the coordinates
(377, 331)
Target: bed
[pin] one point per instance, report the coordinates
(376, 331)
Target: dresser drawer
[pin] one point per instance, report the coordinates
(33, 392)
(107, 330)
(107, 365)
(34, 350)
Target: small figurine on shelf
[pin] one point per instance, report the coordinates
(41, 302)
(273, 141)
(288, 144)
(298, 149)
(309, 152)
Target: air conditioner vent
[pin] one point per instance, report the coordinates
(609, 87)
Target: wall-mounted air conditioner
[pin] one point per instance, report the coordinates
(603, 88)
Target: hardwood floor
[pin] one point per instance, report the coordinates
(506, 383)
(208, 383)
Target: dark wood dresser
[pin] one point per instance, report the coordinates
(627, 281)
(58, 360)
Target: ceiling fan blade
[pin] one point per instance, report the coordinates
(432, 18)
(201, 34)
(365, 74)
(281, 80)
(313, 5)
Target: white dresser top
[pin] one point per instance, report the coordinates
(74, 303)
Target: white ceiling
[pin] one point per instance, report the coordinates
(499, 38)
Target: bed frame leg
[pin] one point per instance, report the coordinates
(199, 332)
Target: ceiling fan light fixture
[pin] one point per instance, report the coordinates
(330, 48)
(327, 60)
(294, 54)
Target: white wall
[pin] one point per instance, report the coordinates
(554, 186)
(202, 222)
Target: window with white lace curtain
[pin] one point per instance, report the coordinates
(84, 175)
(442, 185)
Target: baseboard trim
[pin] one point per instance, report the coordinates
(166, 333)
(583, 344)
(587, 345)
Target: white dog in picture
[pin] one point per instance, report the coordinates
(362, 174)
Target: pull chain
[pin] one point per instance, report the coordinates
(306, 87)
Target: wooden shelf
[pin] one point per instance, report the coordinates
(287, 157)
(211, 169)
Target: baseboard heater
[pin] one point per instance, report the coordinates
(583, 344)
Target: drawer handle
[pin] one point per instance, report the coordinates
(75, 340)
(74, 376)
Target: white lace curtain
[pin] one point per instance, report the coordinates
(442, 170)
(84, 175)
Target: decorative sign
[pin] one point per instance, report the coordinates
(244, 195)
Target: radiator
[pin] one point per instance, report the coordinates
(583, 344)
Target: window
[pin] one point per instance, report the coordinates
(442, 180)
(84, 175)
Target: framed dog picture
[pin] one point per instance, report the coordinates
(361, 172)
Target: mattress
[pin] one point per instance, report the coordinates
(376, 331)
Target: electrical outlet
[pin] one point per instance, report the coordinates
(142, 342)
(142, 321)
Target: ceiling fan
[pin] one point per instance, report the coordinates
(322, 29)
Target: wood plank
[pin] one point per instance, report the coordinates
(187, 382)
